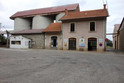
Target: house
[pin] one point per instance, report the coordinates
(63, 27)
(121, 36)
(115, 36)
(85, 30)
(19, 42)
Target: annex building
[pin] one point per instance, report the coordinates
(62, 27)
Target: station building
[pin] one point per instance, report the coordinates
(63, 27)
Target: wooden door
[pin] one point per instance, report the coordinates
(92, 44)
(72, 43)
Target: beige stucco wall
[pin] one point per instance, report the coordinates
(48, 40)
(83, 30)
(41, 22)
(21, 24)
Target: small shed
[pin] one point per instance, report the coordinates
(19, 42)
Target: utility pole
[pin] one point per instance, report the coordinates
(7, 38)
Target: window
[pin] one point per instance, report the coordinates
(12, 42)
(16, 42)
(92, 26)
(72, 27)
(31, 23)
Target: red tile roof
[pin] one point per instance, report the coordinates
(86, 14)
(53, 27)
(45, 10)
(32, 31)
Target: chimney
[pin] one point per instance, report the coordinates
(66, 12)
(104, 6)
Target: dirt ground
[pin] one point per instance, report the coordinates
(57, 66)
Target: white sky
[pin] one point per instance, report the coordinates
(9, 7)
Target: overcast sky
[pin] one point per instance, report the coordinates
(9, 7)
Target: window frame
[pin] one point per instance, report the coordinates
(90, 27)
(74, 27)
(16, 42)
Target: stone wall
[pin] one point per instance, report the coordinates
(38, 40)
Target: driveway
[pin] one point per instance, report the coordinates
(56, 66)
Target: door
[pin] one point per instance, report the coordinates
(72, 43)
(54, 41)
(92, 44)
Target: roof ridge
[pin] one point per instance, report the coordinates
(46, 10)
(48, 7)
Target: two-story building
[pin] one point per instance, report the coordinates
(63, 27)
(85, 30)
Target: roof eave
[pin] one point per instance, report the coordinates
(24, 33)
(121, 24)
(83, 18)
(51, 31)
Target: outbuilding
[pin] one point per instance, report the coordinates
(19, 42)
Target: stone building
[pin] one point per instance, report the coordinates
(31, 23)
(63, 27)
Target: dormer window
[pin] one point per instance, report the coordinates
(92, 26)
(72, 27)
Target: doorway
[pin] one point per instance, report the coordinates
(115, 45)
(92, 44)
(53, 41)
(72, 43)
